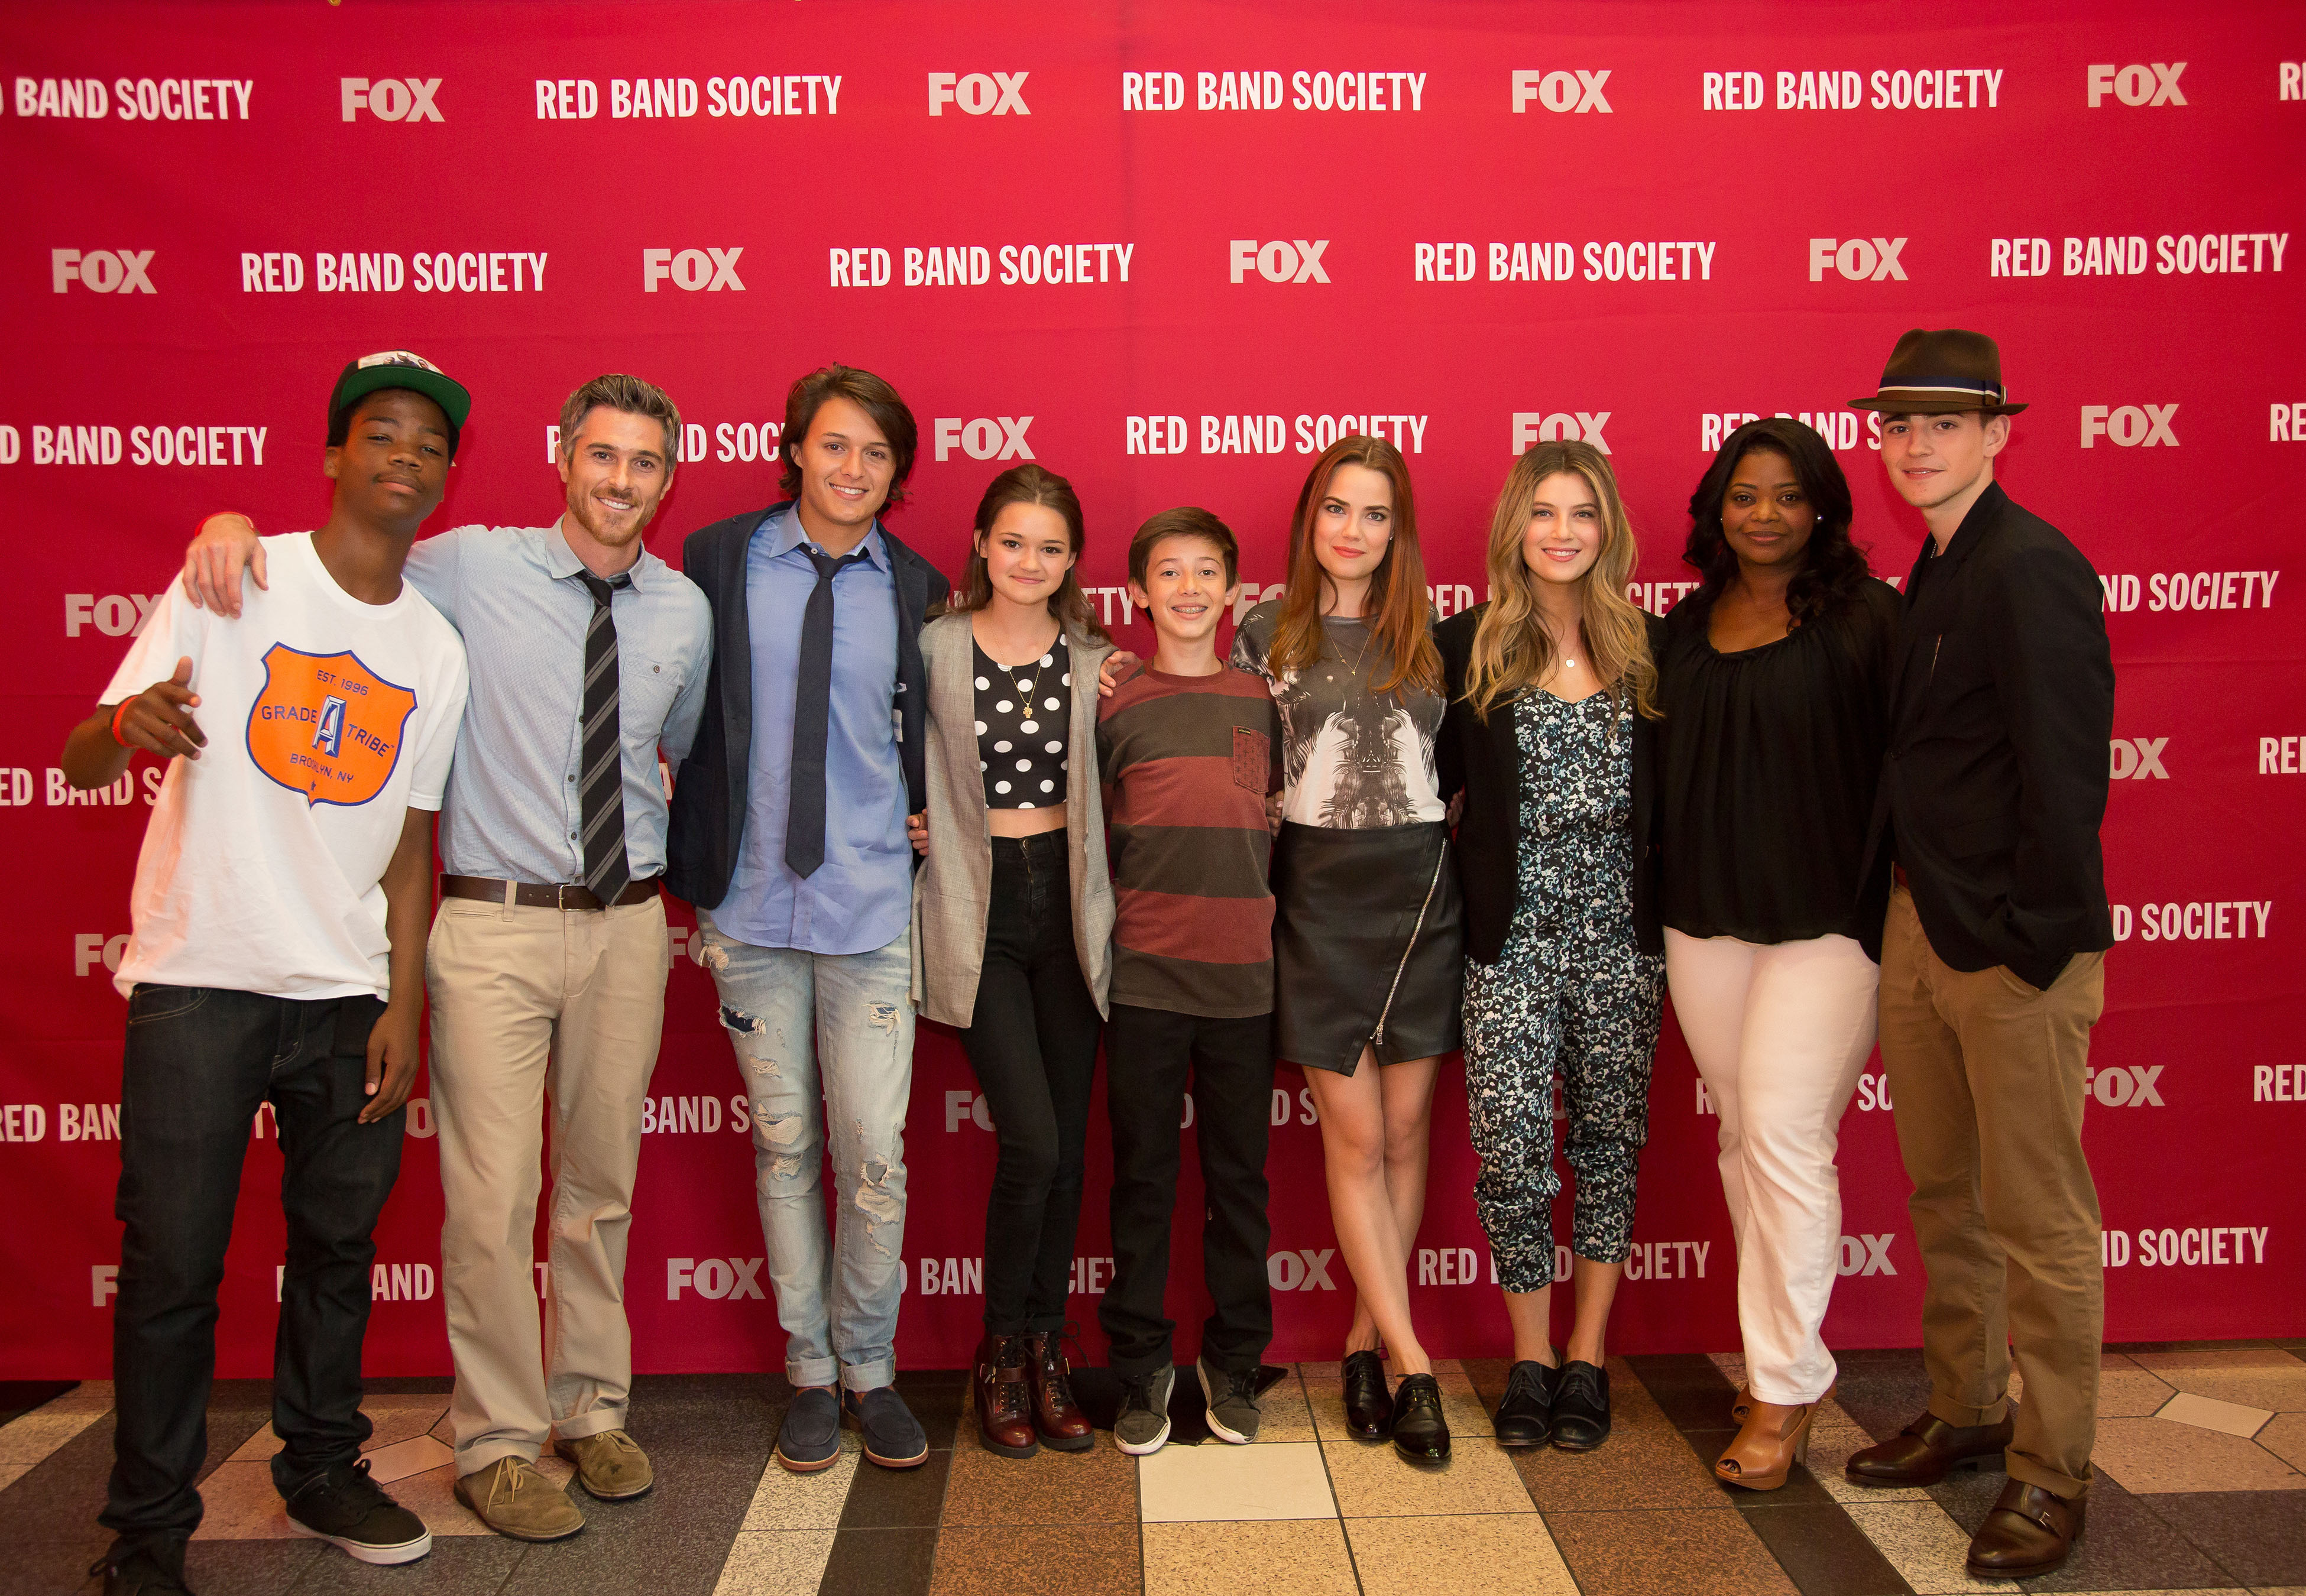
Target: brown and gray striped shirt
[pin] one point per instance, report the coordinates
(1186, 763)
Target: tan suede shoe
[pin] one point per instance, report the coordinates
(610, 1465)
(513, 1498)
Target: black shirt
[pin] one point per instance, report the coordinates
(1771, 758)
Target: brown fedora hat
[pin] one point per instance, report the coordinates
(1930, 374)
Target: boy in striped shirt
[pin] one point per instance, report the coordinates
(1189, 751)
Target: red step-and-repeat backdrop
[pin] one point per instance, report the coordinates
(1172, 253)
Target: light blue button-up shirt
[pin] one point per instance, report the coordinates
(512, 809)
(860, 897)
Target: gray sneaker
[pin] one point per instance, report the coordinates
(1143, 1426)
(1232, 1402)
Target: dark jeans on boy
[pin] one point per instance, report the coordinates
(1150, 1054)
(199, 1062)
(1033, 1046)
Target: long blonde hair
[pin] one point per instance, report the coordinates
(1398, 612)
(1513, 652)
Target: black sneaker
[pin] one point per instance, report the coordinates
(344, 1507)
(1419, 1429)
(1525, 1415)
(1143, 1427)
(1581, 1407)
(893, 1437)
(143, 1570)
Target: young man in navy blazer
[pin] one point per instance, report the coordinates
(789, 836)
(1984, 844)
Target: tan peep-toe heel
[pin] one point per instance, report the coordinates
(1774, 1438)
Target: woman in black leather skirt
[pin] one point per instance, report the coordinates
(1366, 930)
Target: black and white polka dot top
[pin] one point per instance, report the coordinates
(1023, 714)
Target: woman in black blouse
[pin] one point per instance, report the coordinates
(1774, 683)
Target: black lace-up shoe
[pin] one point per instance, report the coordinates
(1369, 1405)
(1581, 1407)
(344, 1506)
(1419, 1429)
(151, 1569)
(1525, 1415)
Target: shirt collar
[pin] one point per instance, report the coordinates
(788, 536)
(562, 562)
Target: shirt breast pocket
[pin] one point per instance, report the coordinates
(1253, 760)
(646, 688)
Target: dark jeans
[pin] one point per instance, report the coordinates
(1034, 1049)
(1148, 1053)
(200, 1061)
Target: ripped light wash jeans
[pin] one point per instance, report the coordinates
(825, 1040)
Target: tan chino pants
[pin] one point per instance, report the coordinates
(1985, 1076)
(532, 1006)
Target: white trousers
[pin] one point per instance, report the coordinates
(1779, 1032)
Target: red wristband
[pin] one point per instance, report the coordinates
(204, 521)
(116, 713)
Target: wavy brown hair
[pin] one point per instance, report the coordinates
(1030, 484)
(1513, 653)
(1398, 612)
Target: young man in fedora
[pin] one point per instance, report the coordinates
(1985, 840)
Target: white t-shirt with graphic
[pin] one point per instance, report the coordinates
(326, 719)
(1351, 760)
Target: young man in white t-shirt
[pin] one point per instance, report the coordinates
(280, 906)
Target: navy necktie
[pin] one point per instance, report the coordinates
(813, 718)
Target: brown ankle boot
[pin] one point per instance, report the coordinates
(1774, 1438)
(1004, 1396)
(1055, 1414)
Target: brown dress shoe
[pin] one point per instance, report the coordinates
(1926, 1451)
(1004, 1396)
(2029, 1532)
(1055, 1414)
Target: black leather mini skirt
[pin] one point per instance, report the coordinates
(1369, 941)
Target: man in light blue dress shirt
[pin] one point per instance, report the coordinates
(789, 835)
(541, 989)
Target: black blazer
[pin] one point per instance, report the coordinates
(2001, 709)
(708, 801)
(1481, 760)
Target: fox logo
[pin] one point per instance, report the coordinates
(327, 726)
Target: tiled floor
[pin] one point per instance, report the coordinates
(2201, 1454)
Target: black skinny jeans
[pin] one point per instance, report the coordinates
(199, 1062)
(1033, 1046)
(1149, 1055)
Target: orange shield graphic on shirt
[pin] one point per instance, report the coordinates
(327, 726)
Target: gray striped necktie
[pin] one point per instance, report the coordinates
(601, 786)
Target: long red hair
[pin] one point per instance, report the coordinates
(1398, 611)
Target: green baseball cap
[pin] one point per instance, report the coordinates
(398, 368)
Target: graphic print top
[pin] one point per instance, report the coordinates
(1351, 760)
(326, 719)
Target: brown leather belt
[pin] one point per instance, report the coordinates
(529, 895)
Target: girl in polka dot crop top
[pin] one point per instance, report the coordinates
(1022, 715)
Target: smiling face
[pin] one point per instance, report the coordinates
(1353, 524)
(392, 467)
(1026, 554)
(1766, 514)
(846, 468)
(1185, 592)
(1932, 460)
(617, 469)
(1563, 538)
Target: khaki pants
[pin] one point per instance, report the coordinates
(1985, 1074)
(531, 1004)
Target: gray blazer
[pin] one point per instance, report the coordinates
(955, 884)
